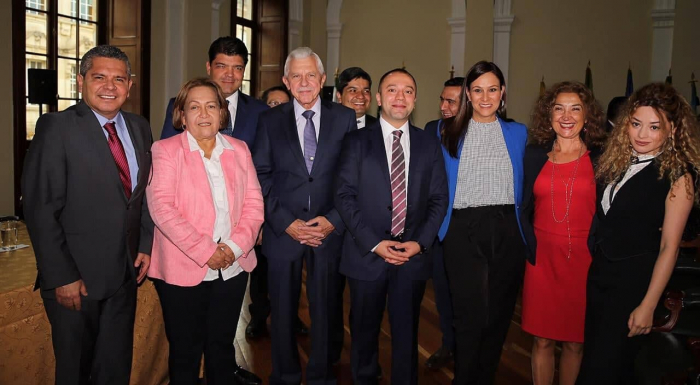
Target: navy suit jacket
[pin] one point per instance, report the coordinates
(247, 113)
(432, 127)
(288, 187)
(363, 199)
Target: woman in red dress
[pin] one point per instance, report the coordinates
(559, 201)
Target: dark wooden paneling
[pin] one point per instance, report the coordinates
(272, 43)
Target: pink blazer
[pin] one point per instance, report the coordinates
(181, 205)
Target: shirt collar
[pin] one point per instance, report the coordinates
(221, 144)
(387, 128)
(316, 108)
(233, 99)
(118, 119)
(362, 119)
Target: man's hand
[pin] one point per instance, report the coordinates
(229, 255)
(143, 261)
(217, 260)
(385, 250)
(407, 249)
(296, 229)
(69, 295)
(320, 226)
(304, 234)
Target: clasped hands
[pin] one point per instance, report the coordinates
(397, 253)
(222, 258)
(311, 232)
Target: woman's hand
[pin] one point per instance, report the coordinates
(219, 260)
(640, 320)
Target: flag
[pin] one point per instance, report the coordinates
(694, 100)
(669, 78)
(589, 77)
(630, 83)
(542, 87)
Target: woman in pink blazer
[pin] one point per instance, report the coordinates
(205, 200)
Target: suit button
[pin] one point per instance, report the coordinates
(304, 209)
(311, 179)
(388, 208)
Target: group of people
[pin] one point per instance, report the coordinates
(240, 188)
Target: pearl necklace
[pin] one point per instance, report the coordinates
(568, 192)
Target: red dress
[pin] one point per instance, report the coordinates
(554, 291)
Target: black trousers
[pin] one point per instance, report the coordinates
(443, 298)
(94, 345)
(202, 319)
(368, 301)
(259, 301)
(485, 262)
(326, 311)
(614, 289)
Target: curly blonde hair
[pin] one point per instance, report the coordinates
(540, 130)
(681, 150)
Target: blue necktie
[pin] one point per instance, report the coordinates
(309, 140)
(229, 129)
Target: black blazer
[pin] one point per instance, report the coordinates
(80, 222)
(247, 113)
(369, 120)
(363, 199)
(286, 184)
(535, 158)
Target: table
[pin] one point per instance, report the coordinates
(26, 352)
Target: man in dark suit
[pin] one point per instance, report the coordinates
(391, 191)
(355, 91)
(296, 152)
(449, 105)
(84, 201)
(228, 57)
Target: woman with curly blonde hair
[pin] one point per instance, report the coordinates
(559, 203)
(647, 173)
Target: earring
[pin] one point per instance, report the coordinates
(502, 103)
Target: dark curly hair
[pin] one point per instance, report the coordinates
(540, 131)
(681, 151)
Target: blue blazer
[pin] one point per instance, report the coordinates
(515, 135)
(244, 127)
(288, 187)
(363, 199)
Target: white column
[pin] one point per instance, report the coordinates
(174, 46)
(334, 30)
(662, 17)
(215, 17)
(296, 23)
(457, 23)
(502, 21)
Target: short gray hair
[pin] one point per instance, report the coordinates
(107, 51)
(303, 53)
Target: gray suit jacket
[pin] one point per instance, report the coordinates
(80, 222)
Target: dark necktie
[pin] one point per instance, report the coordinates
(398, 185)
(229, 128)
(309, 140)
(117, 149)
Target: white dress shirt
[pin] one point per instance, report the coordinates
(301, 120)
(217, 183)
(362, 121)
(232, 105)
(633, 170)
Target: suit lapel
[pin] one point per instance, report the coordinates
(378, 152)
(140, 151)
(98, 144)
(240, 111)
(324, 134)
(291, 132)
(415, 165)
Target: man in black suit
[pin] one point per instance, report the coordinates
(84, 201)
(449, 105)
(355, 91)
(228, 57)
(391, 191)
(296, 152)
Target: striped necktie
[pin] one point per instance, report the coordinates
(398, 185)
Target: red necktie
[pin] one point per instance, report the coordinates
(398, 185)
(115, 145)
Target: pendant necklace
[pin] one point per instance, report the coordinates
(568, 192)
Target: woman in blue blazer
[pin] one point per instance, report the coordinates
(481, 234)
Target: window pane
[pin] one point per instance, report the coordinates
(239, 8)
(65, 103)
(67, 7)
(36, 32)
(36, 4)
(32, 114)
(248, 9)
(66, 37)
(245, 34)
(246, 74)
(88, 10)
(246, 87)
(67, 78)
(32, 61)
(88, 37)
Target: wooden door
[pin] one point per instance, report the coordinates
(272, 44)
